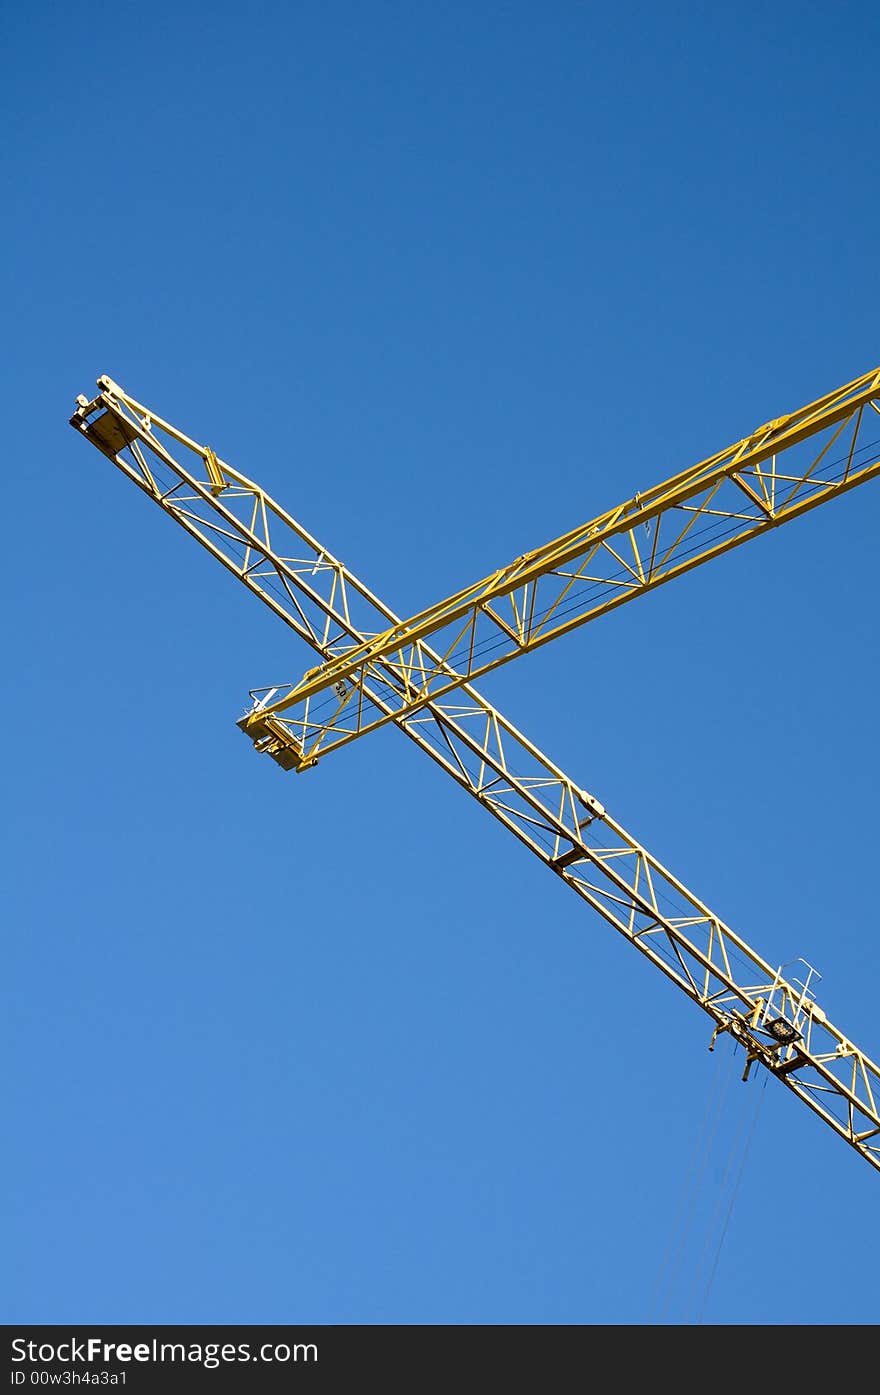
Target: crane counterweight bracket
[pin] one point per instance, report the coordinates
(270, 738)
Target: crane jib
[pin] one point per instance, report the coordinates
(773, 1015)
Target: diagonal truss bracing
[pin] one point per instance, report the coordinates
(776, 1019)
(779, 472)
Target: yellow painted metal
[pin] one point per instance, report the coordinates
(775, 474)
(215, 474)
(558, 820)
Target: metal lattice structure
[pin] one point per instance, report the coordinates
(776, 1019)
(776, 474)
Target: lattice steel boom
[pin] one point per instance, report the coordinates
(779, 472)
(775, 1018)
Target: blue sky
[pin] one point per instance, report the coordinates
(447, 281)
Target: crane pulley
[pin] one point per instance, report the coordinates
(773, 1015)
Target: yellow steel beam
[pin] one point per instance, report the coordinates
(780, 471)
(775, 1018)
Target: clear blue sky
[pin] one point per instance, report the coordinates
(447, 280)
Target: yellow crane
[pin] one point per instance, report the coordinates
(383, 667)
(780, 471)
